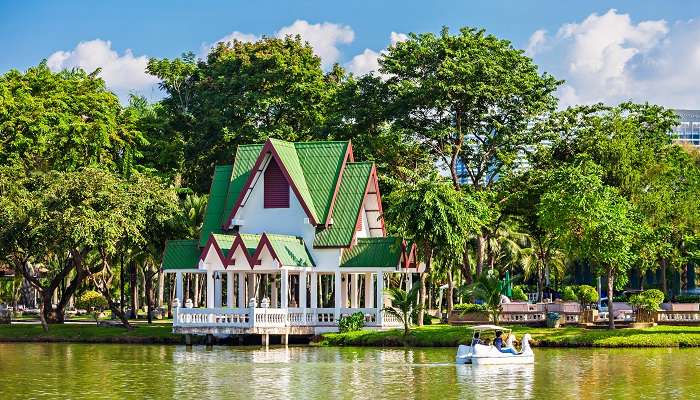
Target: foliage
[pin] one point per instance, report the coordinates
(587, 295)
(91, 300)
(646, 303)
(63, 121)
(351, 323)
(487, 288)
(568, 294)
(470, 307)
(518, 294)
(687, 298)
(402, 305)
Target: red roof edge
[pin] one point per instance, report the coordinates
(268, 148)
(205, 251)
(264, 241)
(238, 242)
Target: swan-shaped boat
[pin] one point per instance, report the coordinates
(481, 354)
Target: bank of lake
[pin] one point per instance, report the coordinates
(426, 336)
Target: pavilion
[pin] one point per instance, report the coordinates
(292, 240)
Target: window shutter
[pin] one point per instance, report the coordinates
(276, 187)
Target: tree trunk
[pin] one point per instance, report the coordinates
(466, 265)
(611, 286)
(540, 291)
(479, 255)
(122, 283)
(171, 295)
(664, 287)
(450, 293)
(428, 254)
(148, 286)
(134, 289)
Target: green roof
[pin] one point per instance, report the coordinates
(181, 254)
(290, 250)
(321, 163)
(216, 203)
(290, 159)
(347, 206)
(376, 252)
(246, 155)
(224, 241)
(251, 242)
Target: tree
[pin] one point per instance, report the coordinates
(62, 121)
(591, 220)
(243, 93)
(646, 303)
(487, 288)
(403, 304)
(468, 98)
(429, 211)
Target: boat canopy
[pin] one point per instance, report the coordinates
(489, 328)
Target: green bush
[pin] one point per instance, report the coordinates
(470, 308)
(688, 298)
(351, 323)
(568, 294)
(586, 294)
(91, 300)
(518, 294)
(646, 303)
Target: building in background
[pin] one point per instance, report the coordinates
(688, 131)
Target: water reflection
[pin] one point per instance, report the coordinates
(77, 371)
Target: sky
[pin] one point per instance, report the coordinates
(606, 51)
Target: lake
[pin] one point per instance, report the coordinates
(84, 371)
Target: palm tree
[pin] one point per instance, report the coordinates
(540, 258)
(403, 304)
(193, 208)
(487, 288)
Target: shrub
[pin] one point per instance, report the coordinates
(518, 294)
(646, 303)
(587, 295)
(351, 323)
(91, 300)
(568, 294)
(470, 308)
(688, 298)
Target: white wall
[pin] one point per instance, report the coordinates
(283, 221)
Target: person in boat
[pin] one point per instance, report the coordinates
(476, 339)
(498, 342)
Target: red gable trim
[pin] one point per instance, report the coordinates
(264, 241)
(237, 243)
(409, 257)
(351, 157)
(212, 242)
(267, 148)
(372, 184)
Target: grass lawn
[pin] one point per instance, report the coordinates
(142, 333)
(451, 336)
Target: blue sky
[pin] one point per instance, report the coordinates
(606, 50)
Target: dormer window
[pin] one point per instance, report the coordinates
(276, 187)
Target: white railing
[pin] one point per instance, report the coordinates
(272, 317)
(678, 316)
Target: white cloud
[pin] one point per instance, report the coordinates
(364, 63)
(367, 62)
(537, 40)
(205, 48)
(324, 38)
(121, 73)
(609, 58)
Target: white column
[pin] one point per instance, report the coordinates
(369, 290)
(242, 301)
(344, 291)
(251, 289)
(178, 288)
(354, 292)
(314, 290)
(285, 288)
(218, 289)
(302, 289)
(229, 289)
(380, 296)
(273, 290)
(210, 289)
(337, 285)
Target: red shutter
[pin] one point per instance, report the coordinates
(276, 187)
